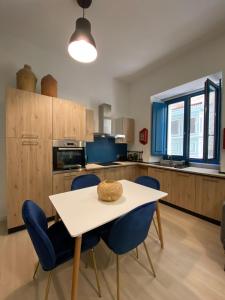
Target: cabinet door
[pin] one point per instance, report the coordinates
(89, 125)
(116, 173)
(130, 173)
(128, 128)
(164, 178)
(69, 120)
(183, 190)
(28, 115)
(124, 126)
(29, 176)
(211, 195)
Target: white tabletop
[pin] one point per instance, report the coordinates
(81, 210)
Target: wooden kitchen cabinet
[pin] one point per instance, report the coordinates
(183, 190)
(165, 179)
(125, 126)
(130, 173)
(28, 115)
(29, 176)
(210, 192)
(69, 120)
(115, 173)
(62, 181)
(89, 125)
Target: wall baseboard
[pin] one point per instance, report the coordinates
(213, 221)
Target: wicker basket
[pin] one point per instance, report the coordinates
(109, 190)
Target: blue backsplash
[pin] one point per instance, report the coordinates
(104, 150)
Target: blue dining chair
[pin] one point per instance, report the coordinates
(54, 245)
(154, 184)
(128, 232)
(84, 181)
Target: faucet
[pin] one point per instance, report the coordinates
(171, 160)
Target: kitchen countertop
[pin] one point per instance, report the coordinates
(192, 170)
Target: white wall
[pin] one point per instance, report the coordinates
(76, 81)
(207, 59)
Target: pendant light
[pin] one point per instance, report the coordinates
(82, 44)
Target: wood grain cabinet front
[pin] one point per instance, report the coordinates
(89, 125)
(29, 176)
(69, 120)
(211, 195)
(165, 179)
(183, 190)
(28, 115)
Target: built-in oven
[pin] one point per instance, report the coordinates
(68, 155)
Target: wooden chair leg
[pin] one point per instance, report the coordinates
(156, 228)
(118, 276)
(159, 225)
(149, 259)
(48, 285)
(137, 253)
(36, 269)
(92, 252)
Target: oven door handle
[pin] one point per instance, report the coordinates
(69, 149)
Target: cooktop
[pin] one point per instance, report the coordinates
(110, 163)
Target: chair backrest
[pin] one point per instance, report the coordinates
(148, 181)
(37, 226)
(84, 181)
(130, 230)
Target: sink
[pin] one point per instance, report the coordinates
(178, 164)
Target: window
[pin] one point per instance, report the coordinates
(193, 125)
(175, 128)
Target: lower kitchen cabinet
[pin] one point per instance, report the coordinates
(165, 179)
(62, 181)
(210, 193)
(115, 173)
(29, 176)
(183, 190)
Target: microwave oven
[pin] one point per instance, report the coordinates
(68, 155)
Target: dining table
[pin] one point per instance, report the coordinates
(81, 211)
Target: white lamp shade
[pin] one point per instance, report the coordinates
(82, 51)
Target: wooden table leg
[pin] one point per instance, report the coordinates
(159, 225)
(76, 264)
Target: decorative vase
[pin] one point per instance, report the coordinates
(49, 86)
(109, 190)
(25, 79)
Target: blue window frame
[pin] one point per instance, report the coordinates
(193, 126)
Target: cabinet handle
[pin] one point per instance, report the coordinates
(33, 143)
(184, 175)
(69, 137)
(210, 180)
(29, 136)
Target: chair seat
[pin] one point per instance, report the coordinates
(63, 243)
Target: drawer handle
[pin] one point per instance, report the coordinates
(184, 175)
(69, 137)
(29, 143)
(29, 136)
(210, 180)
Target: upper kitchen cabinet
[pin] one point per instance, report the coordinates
(124, 130)
(89, 125)
(28, 115)
(69, 120)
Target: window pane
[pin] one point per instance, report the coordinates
(175, 132)
(196, 126)
(211, 122)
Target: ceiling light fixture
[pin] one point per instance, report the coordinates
(82, 45)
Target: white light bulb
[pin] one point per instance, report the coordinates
(82, 51)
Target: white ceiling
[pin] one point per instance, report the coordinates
(130, 34)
